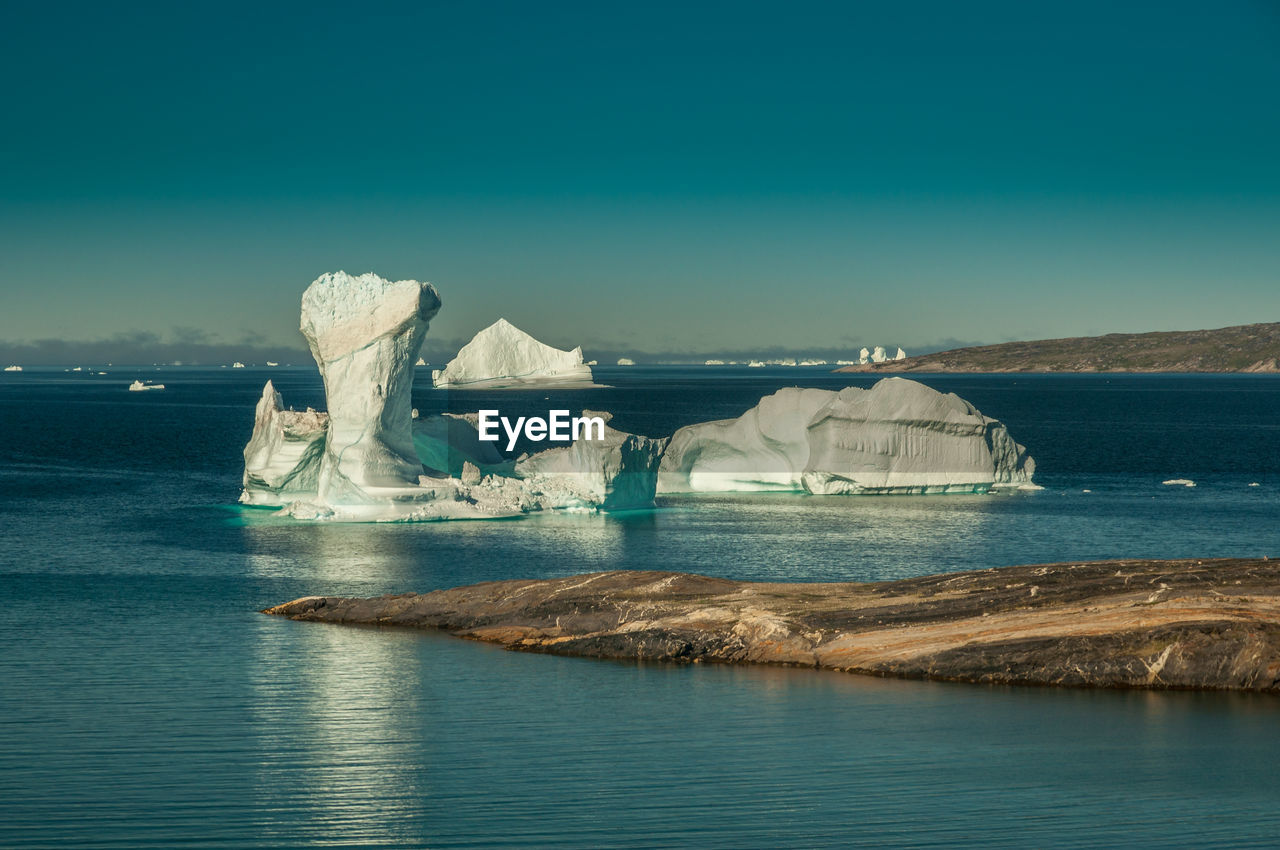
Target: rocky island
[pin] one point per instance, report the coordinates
(1191, 624)
(1243, 348)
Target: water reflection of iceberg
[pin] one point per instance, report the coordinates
(341, 746)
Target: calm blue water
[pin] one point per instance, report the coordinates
(144, 703)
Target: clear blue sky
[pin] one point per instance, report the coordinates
(651, 177)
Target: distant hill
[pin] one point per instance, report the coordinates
(1243, 348)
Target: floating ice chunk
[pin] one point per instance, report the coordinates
(282, 459)
(901, 355)
(138, 386)
(617, 472)
(898, 437)
(755, 364)
(714, 363)
(14, 368)
(1179, 482)
(502, 356)
(626, 361)
(879, 355)
(237, 365)
(1254, 484)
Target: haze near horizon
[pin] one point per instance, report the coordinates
(672, 180)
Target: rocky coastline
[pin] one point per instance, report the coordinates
(1189, 624)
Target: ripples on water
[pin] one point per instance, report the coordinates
(144, 703)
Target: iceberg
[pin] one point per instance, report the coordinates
(14, 368)
(618, 472)
(900, 436)
(237, 365)
(626, 361)
(901, 355)
(138, 386)
(763, 449)
(364, 333)
(448, 442)
(282, 459)
(503, 356)
(879, 355)
(371, 458)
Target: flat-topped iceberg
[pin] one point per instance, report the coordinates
(900, 436)
(502, 356)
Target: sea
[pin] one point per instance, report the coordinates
(146, 703)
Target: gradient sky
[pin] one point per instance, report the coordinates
(652, 177)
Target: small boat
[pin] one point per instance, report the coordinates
(138, 386)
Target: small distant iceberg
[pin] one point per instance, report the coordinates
(272, 363)
(14, 368)
(879, 354)
(626, 361)
(421, 362)
(139, 386)
(504, 357)
(1179, 482)
(714, 363)
(237, 365)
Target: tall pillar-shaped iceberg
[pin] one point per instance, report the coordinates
(365, 333)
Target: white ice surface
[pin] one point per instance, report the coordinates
(897, 437)
(503, 356)
(618, 472)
